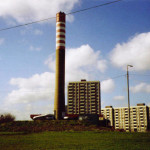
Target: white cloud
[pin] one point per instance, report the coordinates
(107, 86)
(51, 62)
(81, 57)
(38, 87)
(135, 52)
(120, 98)
(32, 10)
(34, 95)
(2, 41)
(80, 62)
(102, 65)
(32, 48)
(141, 88)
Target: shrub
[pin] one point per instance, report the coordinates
(6, 118)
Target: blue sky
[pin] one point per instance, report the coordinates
(99, 44)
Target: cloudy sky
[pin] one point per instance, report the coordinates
(99, 44)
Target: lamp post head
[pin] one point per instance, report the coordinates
(129, 66)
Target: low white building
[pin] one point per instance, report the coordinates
(107, 113)
(119, 117)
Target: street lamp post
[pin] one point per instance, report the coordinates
(128, 96)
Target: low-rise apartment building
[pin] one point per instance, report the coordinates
(107, 112)
(139, 117)
(121, 118)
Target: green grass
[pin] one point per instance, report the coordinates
(80, 140)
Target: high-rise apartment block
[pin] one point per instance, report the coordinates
(139, 117)
(84, 97)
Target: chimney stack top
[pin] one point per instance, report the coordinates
(60, 17)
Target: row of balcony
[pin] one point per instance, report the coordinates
(82, 86)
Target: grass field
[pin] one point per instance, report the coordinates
(79, 140)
